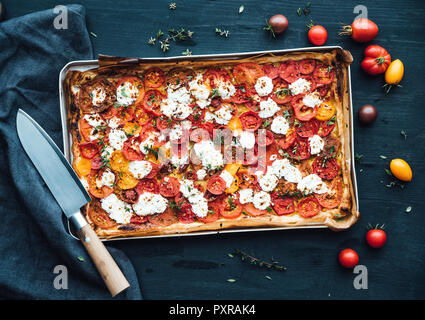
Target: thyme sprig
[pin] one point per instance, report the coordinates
(256, 261)
(173, 35)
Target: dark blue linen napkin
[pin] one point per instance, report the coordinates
(39, 260)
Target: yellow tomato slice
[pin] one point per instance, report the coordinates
(234, 124)
(119, 162)
(234, 186)
(326, 111)
(126, 181)
(232, 168)
(132, 128)
(82, 166)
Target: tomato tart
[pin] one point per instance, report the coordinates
(190, 145)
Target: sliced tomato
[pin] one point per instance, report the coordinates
(307, 129)
(325, 127)
(214, 212)
(96, 163)
(232, 209)
(131, 150)
(308, 207)
(302, 112)
(186, 215)
(247, 73)
(333, 197)
(154, 171)
(215, 76)
(216, 185)
(88, 150)
(140, 115)
(197, 116)
(288, 139)
(324, 74)
(252, 104)
(109, 113)
(282, 204)
(137, 82)
(138, 219)
(169, 187)
(288, 71)
(250, 120)
(147, 185)
(152, 102)
(162, 123)
(246, 179)
(179, 76)
(154, 77)
(325, 167)
(252, 210)
(129, 195)
(99, 216)
(264, 138)
(306, 66)
(167, 218)
(85, 129)
(281, 94)
(125, 114)
(300, 149)
(99, 193)
(241, 95)
(271, 71)
(324, 90)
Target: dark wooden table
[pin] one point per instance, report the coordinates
(198, 267)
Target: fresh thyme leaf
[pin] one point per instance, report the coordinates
(269, 278)
(241, 9)
(358, 157)
(388, 172)
(383, 157)
(404, 134)
(408, 209)
(231, 280)
(81, 258)
(223, 33)
(230, 255)
(93, 34)
(214, 93)
(299, 12)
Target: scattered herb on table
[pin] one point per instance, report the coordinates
(358, 157)
(241, 9)
(81, 258)
(408, 209)
(173, 35)
(404, 134)
(305, 11)
(187, 52)
(223, 33)
(231, 280)
(256, 261)
(151, 41)
(383, 157)
(269, 278)
(172, 6)
(93, 34)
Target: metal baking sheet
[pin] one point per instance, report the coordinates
(83, 65)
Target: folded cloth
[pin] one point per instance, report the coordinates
(39, 260)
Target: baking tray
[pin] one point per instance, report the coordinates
(83, 65)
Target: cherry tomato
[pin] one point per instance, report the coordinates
(317, 35)
(277, 24)
(169, 187)
(216, 185)
(348, 258)
(88, 150)
(376, 238)
(401, 170)
(394, 73)
(368, 114)
(361, 30)
(376, 60)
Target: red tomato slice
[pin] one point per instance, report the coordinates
(154, 171)
(306, 66)
(147, 185)
(215, 76)
(264, 140)
(300, 149)
(186, 215)
(131, 150)
(307, 129)
(96, 163)
(288, 139)
(154, 77)
(197, 116)
(325, 127)
(246, 179)
(216, 185)
(138, 219)
(324, 74)
(250, 120)
(109, 113)
(241, 95)
(324, 90)
(252, 210)
(308, 207)
(129, 195)
(152, 102)
(326, 168)
(99, 216)
(333, 197)
(100, 193)
(301, 111)
(85, 129)
(288, 71)
(247, 73)
(282, 205)
(271, 71)
(169, 187)
(214, 211)
(232, 209)
(88, 150)
(125, 114)
(167, 218)
(281, 94)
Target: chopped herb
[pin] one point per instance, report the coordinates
(253, 260)
(241, 9)
(231, 204)
(159, 34)
(151, 41)
(331, 121)
(151, 151)
(358, 157)
(383, 157)
(283, 91)
(269, 278)
(214, 93)
(231, 280)
(388, 172)
(300, 12)
(172, 6)
(408, 209)
(81, 258)
(223, 33)
(269, 209)
(230, 255)
(404, 134)
(187, 52)
(93, 34)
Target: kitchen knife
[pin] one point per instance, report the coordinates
(70, 194)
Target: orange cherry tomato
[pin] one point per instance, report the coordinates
(401, 170)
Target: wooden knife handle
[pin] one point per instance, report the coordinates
(105, 264)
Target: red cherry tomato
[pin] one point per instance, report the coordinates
(317, 35)
(376, 60)
(348, 258)
(376, 238)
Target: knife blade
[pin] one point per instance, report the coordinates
(69, 193)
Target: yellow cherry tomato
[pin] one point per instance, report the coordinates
(82, 166)
(325, 111)
(394, 73)
(401, 169)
